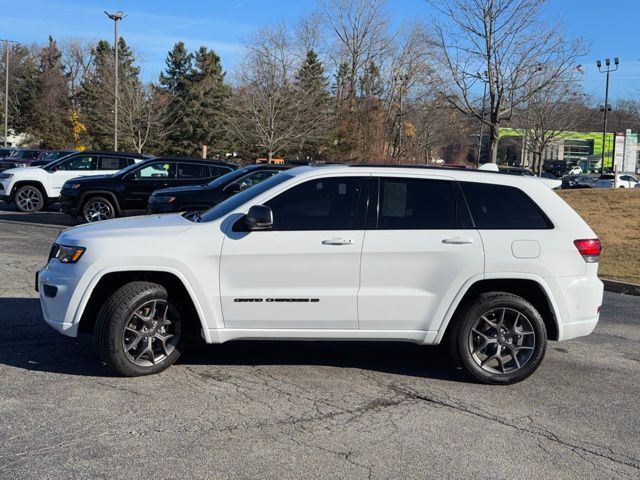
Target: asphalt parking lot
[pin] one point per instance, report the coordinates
(303, 410)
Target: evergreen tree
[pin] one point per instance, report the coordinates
(199, 93)
(97, 92)
(312, 86)
(52, 124)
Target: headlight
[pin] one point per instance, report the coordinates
(4, 176)
(166, 199)
(66, 253)
(75, 186)
(22, 164)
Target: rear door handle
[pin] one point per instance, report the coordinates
(457, 240)
(338, 241)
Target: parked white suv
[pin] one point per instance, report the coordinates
(493, 264)
(32, 188)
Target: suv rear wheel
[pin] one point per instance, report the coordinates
(139, 330)
(29, 199)
(500, 338)
(96, 209)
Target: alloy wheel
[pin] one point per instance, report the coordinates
(150, 335)
(96, 211)
(28, 199)
(502, 340)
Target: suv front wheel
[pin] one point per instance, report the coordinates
(29, 199)
(139, 330)
(96, 209)
(500, 338)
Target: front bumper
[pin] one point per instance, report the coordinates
(69, 204)
(161, 207)
(55, 297)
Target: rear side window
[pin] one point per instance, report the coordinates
(193, 170)
(218, 170)
(416, 204)
(500, 207)
(111, 163)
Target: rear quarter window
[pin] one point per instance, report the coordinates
(501, 207)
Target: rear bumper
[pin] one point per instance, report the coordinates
(579, 300)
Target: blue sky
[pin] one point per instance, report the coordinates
(152, 27)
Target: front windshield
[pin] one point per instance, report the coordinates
(222, 180)
(245, 196)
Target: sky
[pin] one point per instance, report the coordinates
(151, 27)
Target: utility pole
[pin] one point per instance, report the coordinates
(484, 101)
(606, 107)
(403, 80)
(6, 89)
(115, 17)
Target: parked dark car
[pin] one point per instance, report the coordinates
(6, 151)
(127, 191)
(50, 156)
(516, 171)
(19, 158)
(202, 197)
(578, 181)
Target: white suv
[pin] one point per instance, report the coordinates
(32, 188)
(492, 264)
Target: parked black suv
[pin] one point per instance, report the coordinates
(127, 191)
(201, 197)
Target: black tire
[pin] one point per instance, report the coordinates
(96, 209)
(29, 199)
(465, 343)
(113, 325)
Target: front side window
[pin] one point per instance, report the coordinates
(193, 170)
(323, 204)
(156, 171)
(503, 207)
(416, 204)
(80, 162)
(254, 178)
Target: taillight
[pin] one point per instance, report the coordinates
(589, 249)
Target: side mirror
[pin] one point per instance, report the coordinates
(259, 218)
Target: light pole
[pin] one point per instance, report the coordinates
(403, 79)
(115, 17)
(6, 89)
(484, 101)
(606, 107)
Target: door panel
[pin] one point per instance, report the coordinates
(305, 272)
(416, 256)
(142, 182)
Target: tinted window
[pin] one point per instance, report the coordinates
(79, 162)
(216, 170)
(156, 171)
(253, 178)
(502, 207)
(323, 204)
(407, 203)
(111, 163)
(193, 170)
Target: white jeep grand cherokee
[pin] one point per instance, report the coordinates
(493, 264)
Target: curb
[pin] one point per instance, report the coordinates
(621, 287)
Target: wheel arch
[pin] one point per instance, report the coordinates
(98, 193)
(104, 284)
(23, 183)
(534, 290)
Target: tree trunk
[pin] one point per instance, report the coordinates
(493, 144)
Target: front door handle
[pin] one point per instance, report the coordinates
(457, 240)
(338, 241)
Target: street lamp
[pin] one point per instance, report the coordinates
(115, 17)
(606, 107)
(6, 89)
(403, 79)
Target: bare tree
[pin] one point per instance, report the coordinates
(144, 111)
(77, 60)
(503, 43)
(267, 113)
(548, 116)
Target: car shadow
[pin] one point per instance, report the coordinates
(28, 343)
